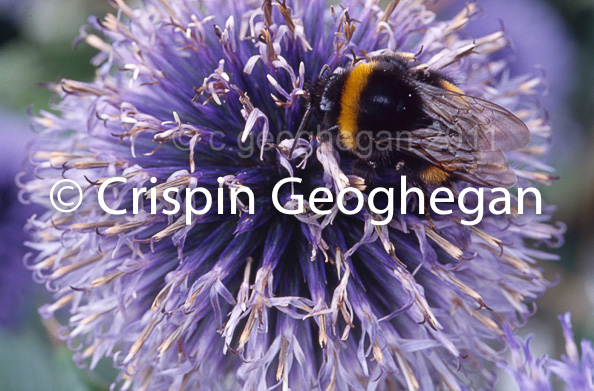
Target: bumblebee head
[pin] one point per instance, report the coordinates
(325, 97)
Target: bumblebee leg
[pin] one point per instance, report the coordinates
(430, 219)
(300, 130)
(427, 207)
(366, 170)
(450, 185)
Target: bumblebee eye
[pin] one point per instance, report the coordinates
(326, 104)
(330, 94)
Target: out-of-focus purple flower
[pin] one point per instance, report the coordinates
(539, 41)
(263, 300)
(529, 24)
(15, 282)
(12, 13)
(575, 371)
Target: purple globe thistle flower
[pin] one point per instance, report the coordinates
(575, 371)
(259, 300)
(15, 284)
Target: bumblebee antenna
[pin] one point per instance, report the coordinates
(325, 68)
(300, 129)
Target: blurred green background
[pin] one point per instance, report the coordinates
(36, 45)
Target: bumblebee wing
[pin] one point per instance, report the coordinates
(468, 136)
(471, 116)
(483, 167)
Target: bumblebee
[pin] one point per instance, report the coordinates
(390, 113)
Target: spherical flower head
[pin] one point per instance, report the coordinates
(264, 299)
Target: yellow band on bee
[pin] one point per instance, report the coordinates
(350, 101)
